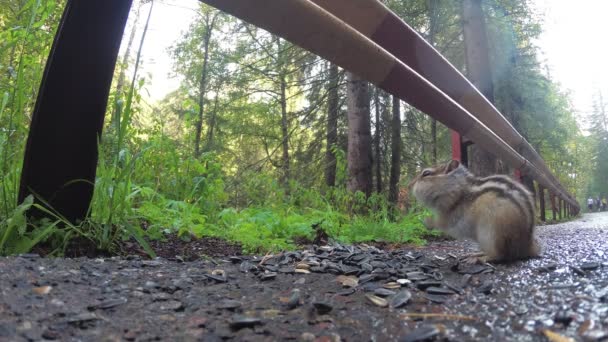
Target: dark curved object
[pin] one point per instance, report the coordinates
(61, 154)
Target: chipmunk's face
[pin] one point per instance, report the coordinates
(430, 185)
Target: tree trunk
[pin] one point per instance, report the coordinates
(411, 132)
(377, 155)
(479, 73)
(125, 59)
(359, 157)
(332, 125)
(212, 122)
(210, 23)
(393, 194)
(284, 120)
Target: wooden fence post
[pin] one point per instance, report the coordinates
(541, 197)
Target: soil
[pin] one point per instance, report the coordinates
(320, 293)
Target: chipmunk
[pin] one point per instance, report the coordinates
(496, 211)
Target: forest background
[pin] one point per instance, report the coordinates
(253, 145)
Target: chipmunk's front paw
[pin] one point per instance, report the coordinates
(474, 258)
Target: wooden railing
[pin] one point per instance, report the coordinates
(361, 36)
(365, 37)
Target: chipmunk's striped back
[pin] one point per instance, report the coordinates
(496, 211)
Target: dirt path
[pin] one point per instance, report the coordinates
(429, 295)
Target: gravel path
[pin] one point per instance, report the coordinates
(330, 293)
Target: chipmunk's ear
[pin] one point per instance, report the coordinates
(452, 165)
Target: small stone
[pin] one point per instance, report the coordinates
(108, 304)
(171, 305)
(240, 322)
(423, 285)
(547, 268)
(294, 299)
(229, 304)
(83, 317)
(235, 259)
(322, 308)
(268, 276)
(595, 335)
(422, 334)
(151, 263)
(485, 288)
(51, 335)
(590, 266)
(563, 317)
(578, 270)
(307, 337)
(439, 299)
(151, 285)
(160, 296)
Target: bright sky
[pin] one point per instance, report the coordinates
(574, 45)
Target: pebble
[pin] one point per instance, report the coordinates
(240, 322)
(424, 333)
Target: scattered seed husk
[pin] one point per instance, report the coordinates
(423, 285)
(107, 304)
(347, 281)
(42, 290)
(555, 337)
(378, 301)
(346, 292)
(404, 281)
(303, 266)
(382, 292)
(239, 322)
(439, 291)
(400, 299)
(392, 285)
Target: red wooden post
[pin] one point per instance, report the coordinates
(517, 175)
(456, 150)
(459, 149)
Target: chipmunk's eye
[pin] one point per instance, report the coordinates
(426, 173)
